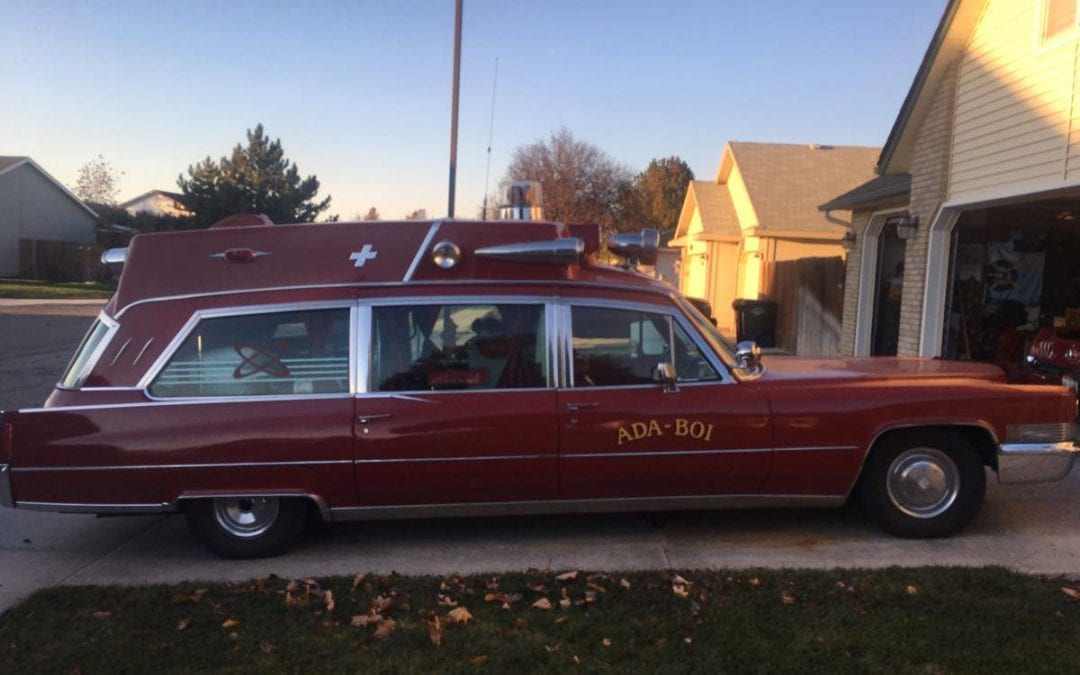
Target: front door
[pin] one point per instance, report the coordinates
(457, 407)
(623, 435)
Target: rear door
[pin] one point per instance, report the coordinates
(623, 435)
(456, 405)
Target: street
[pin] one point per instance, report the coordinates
(1032, 528)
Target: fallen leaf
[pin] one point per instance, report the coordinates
(356, 581)
(688, 639)
(362, 620)
(478, 660)
(381, 603)
(384, 629)
(459, 615)
(590, 597)
(577, 661)
(266, 647)
(102, 615)
(567, 576)
(606, 642)
(844, 587)
(230, 623)
(293, 585)
(542, 603)
(787, 598)
(446, 601)
(195, 597)
(492, 584)
(233, 635)
(625, 583)
(911, 590)
(434, 629)
(1071, 592)
(755, 582)
(680, 590)
(328, 598)
(564, 603)
(679, 580)
(183, 625)
(562, 619)
(596, 587)
(537, 588)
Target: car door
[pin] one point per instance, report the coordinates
(624, 435)
(456, 405)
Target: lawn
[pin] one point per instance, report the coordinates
(46, 290)
(922, 620)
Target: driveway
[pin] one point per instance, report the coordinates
(1033, 528)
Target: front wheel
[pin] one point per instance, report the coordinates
(923, 484)
(247, 527)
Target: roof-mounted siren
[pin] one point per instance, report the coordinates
(635, 249)
(113, 259)
(522, 200)
(561, 251)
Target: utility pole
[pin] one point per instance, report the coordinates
(454, 107)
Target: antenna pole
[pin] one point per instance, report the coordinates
(491, 135)
(454, 107)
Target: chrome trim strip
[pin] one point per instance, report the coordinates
(191, 401)
(360, 349)
(66, 507)
(664, 453)
(817, 448)
(120, 352)
(194, 465)
(422, 250)
(142, 351)
(110, 389)
(481, 458)
(5, 486)
(1035, 462)
(577, 506)
(1061, 447)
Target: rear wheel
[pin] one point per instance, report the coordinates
(923, 484)
(247, 527)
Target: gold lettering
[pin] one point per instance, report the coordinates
(640, 429)
(624, 435)
(654, 428)
(708, 434)
(681, 427)
(697, 430)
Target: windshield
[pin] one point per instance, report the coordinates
(718, 342)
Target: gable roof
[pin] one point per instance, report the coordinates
(874, 191)
(787, 182)
(175, 196)
(10, 163)
(715, 206)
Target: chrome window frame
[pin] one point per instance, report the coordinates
(672, 311)
(366, 340)
(112, 327)
(199, 315)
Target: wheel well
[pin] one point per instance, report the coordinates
(979, 437)
(314, 503)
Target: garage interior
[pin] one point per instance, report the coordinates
(1014, 281)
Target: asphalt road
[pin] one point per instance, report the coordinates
(1034, 528)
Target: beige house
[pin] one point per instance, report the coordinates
(158, 203)
(968, 239)
(761, 209)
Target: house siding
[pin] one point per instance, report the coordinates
(1015, 105)
(860, 219)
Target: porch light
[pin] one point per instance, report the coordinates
(905, 228)
(848, 240)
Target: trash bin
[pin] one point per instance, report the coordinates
(756, 320)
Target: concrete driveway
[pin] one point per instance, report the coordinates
(1033, 528)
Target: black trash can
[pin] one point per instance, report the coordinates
(756, 320)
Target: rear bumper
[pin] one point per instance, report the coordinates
(5, 486)
(1035, 462)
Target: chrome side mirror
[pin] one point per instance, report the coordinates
(665, 374)
(748, 356)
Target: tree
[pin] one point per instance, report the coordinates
(580, 182)
(98, 182)
(372, 214)
(418, 214)
(659, 192)
(257, 178)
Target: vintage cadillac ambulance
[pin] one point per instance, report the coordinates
(249, 377)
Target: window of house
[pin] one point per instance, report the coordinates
(458, 347)
(1059, 17)
(618, 347)
(280, 353)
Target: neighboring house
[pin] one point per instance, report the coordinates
(34, 206)
(158, 203)
(761, 209)
(967, 240)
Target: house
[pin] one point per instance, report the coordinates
(35, 207)
(158, 203)
(760, 210)
(967, 236)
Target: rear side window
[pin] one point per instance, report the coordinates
(93, 339)
(458, 347)
(273, 354)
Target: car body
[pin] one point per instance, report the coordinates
(249, 375)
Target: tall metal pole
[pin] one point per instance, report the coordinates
(454, 108)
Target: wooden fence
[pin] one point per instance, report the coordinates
(809, 294)
(60, 261)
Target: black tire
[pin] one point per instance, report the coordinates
(222, 525)
(923, 484)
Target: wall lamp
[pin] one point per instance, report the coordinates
(848, 240)
(906, 226)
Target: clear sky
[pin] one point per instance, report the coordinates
(359, 92)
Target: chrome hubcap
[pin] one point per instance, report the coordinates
(923, 482)
(246, 517)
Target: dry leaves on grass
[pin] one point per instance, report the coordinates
(680, 586)
(478, 660)
(625, 583)
(542, 603)
(459, 615)
(364, 620)
(384, 629)
(434, 628)
(755, 582)
(567, 576)
(197, 596)
(911, 590)
(1071, 592)
(787, 598)
(230, 623)
(183, 625)
(844, 587)
(606, 642)
(356, 581)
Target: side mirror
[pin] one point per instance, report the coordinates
(748, 356)
(665, 374)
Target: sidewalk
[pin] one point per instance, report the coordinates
(27, 302)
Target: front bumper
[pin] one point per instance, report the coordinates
(1036, 462)
(5, 486)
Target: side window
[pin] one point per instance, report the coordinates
(467, 346)
(90, 342)
(618, 347)
(280, 353)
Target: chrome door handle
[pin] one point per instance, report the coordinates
(368, 419)
(574, 407)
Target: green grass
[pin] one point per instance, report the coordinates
(924, 620)
(47, 290)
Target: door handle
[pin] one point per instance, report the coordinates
(368, 419)
(574, 407)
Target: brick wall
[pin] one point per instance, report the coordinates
(929, 188)
(859, 221)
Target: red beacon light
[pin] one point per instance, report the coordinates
(239, 255)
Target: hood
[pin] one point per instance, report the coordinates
(877, 367)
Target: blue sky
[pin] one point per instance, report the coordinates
(359, 92)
